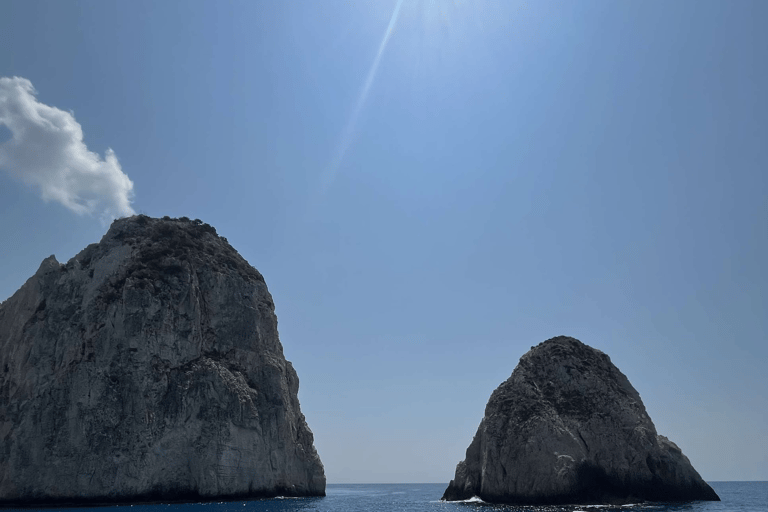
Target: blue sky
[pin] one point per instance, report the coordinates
(430, 188)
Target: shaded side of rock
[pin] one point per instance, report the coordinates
(149, 368)
(567, 427)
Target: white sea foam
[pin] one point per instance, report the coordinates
(473, 499)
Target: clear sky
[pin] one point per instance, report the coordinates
(430, 187)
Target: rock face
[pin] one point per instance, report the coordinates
(568, 428)
(148, 368)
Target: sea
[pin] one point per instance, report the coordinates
(735, 496)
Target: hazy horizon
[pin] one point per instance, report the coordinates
(430, 188)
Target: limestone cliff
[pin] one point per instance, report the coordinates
(568, 427)
(148, 368)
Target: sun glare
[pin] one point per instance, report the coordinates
(439, 28)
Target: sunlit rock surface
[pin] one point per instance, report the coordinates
(148, 368)
(568, 427)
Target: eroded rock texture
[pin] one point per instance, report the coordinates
(568, 427)
(149, 368)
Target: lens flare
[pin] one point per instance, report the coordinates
(346, 139)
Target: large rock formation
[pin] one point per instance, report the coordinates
(148, 368)
(568, 428)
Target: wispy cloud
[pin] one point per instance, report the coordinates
(46, 151)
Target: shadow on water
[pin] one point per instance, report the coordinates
(644, 507)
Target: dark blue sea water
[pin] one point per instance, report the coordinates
(736, 497)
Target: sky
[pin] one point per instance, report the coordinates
(430, 188)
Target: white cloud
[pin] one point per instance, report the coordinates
(46, 151)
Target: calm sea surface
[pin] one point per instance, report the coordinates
(736, 496)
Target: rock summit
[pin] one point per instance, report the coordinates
(568, 428)
(148, 368)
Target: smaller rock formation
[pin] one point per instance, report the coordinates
(568, 428)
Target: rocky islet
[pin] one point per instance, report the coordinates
(149, 368)
(567, 427)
